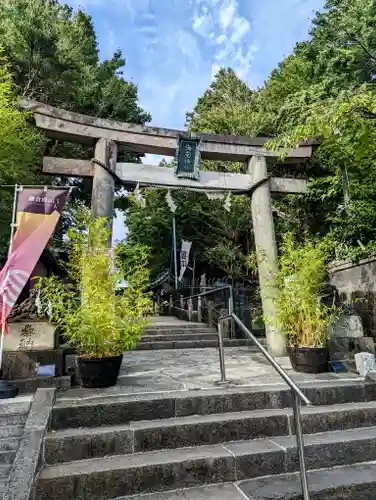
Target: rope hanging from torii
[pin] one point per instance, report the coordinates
(223, 194)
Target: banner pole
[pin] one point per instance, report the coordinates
(13, 224)
(6, 389)
(12, 230)
(175, 251)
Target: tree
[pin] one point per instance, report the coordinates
(335, 101)
(20, 150)
(53, 54)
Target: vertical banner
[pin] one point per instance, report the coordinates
(184, 257)
(38, 211)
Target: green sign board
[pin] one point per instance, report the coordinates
(188, 158)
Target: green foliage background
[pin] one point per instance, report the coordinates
(325, 89)
(51, 54)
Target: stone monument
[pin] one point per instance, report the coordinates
(30, 346)
(347, 340)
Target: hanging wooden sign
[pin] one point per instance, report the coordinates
(188, 158)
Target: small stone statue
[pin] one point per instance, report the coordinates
(26, 310)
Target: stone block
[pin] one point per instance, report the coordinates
(348, 326)
(24, 364)
(32, 336)
(27, 461)
(230, 402)
(30, 385)
(127, 475)
(257, 458)
(365, 363)
(337, 392)
(211, 492)
(330, 450)
(196, 431)
(345, 348)
(7, 457)
(113, 413)
(82, 444)
(332, 419)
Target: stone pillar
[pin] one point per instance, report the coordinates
(103, 183)
(266, 250)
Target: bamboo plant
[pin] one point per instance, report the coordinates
(93, 317)
(302, 316)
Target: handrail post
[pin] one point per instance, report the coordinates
(210, 313)
(230, 311)
(221, 351)
(300, 444)
(190, 309)
(199, 309)
(181, 301)
(170, 304)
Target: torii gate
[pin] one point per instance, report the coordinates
(105, 134)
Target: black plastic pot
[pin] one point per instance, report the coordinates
(95, 373)
(309, 359)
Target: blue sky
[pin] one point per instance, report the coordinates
(174, 47)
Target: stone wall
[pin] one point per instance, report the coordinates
(356, 282)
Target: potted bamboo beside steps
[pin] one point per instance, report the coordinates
(302, 315)
(97, 320)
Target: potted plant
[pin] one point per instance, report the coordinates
(302, 315)
(95, 318)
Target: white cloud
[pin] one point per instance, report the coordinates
(230, 38)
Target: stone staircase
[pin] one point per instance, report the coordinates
(218, 444)
(13, 415)
(171, 333)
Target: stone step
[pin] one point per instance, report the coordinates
(4, 471)
(9, 444)
(148, 435)
(12, 419)
(122, 409)
(7, 457)
(355, 482)
(226, 491)
(19, 405)
(179, 468)
(11, 431)
(184, 328)
(193, 344)
(175, 337)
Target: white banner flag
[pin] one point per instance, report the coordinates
(184, 257)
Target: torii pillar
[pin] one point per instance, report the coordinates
(266, 251)
(102, 201)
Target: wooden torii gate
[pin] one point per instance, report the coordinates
(104, 135)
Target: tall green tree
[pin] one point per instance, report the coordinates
(53, 55)
(21, 148)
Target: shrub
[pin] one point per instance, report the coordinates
(301, 315)
(93, 317)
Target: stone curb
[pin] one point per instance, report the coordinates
(27, 462)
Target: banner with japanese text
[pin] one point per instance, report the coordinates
(184, 257)
(38, 211)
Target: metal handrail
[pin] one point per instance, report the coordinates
(296, 394)
(209, 292)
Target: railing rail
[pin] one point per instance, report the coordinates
(296, 393)
(179, 304)
(210, 292)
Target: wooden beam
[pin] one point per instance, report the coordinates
(152, 175)
(66, 125)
